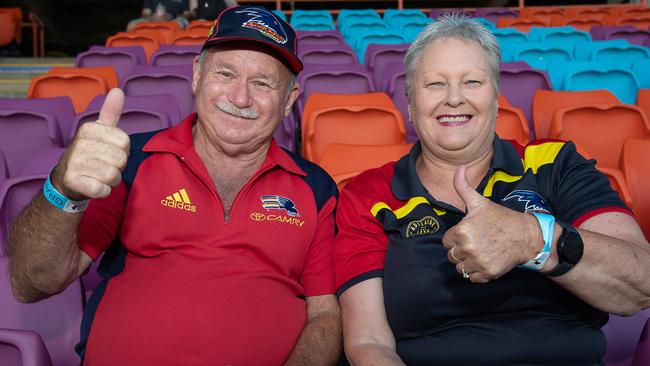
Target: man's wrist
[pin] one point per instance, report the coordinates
(58, 200)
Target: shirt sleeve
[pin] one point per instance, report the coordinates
(318, 274)
(101, 222)
(360, 245)
(580, 191)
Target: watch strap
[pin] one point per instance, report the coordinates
(563, 266)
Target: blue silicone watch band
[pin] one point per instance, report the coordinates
(546, 224)
(60, 201)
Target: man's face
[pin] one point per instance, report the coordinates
(241, 95)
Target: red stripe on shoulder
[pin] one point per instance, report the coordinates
(519, 147)
(586, 216)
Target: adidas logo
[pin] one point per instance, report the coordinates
(179, 200)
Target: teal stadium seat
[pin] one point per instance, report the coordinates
(641, 70)
(565, 34)
(508, 38)
(381, 37)
(539, 54)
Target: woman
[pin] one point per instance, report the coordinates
(472, 250)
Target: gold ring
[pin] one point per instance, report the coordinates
(462, 269)
(451, 253)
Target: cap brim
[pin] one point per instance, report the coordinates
(292, 60)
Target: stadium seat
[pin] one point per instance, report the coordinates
(57, 319)
(519, 84)
(23, 133)
(380, 37)
(581, 22)
(627, 32)
(7, 29)
(626, 9)
(509, 39)
(642, 353)
(164, 36)
(280, 14)
(4, 171)
(539, 54)
(17, 14)
(108, 73)
(356, 15)
(164, 102)
(173, 55)
(200, 26)
(546, 102)
(541, 12)
(523, 24)
(643, 101)
(600, 128)
(394, 17)
(332, 54)
(118, 58)
(351, 30)
(43, 161)
(586, 11)
(565, 34)
(488, 24)
(148, 42)
(640, 21)
(637, 177)
(336, 159)
(319, 37)
(15, 194)
(641, 70)
(493, 14)
(133, 120)
(378, 55)
(60, 107)
(397, 91)
(151, 80)
(435, 13)
(622, 334)
(312, 20)
(411, 30)
(79, 88)
(22, 348)
(187, 39)
(511, 125)
(349, 124)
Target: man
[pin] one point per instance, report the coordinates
(209, 9)
(217, 243)
(163, 11)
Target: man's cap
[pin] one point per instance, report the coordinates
(256, 24)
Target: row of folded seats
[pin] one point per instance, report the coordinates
(610, 125)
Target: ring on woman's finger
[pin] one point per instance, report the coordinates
(451, 253)
(465, 273)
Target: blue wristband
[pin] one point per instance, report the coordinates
(60, 201)
(546, 224)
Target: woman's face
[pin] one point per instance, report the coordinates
(452, 101)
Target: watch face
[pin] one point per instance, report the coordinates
(572, 246)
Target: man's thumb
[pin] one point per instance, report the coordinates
(112, 108)
(465, 191)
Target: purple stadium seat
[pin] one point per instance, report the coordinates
(327, 54)
(378, 55)
(22, 348)
(319, 37)
(137, 51)
(341, 79)
(133, 120)
(397, 92)
(60, 107)
(630, 33)
(4, 172)
(15, 193)
(23, 133)
(172, 55)
(120, 59)
(390, 68)
(622, 335)
(152, 80)
(285, 134)
(159, 102)
(43, 161)
(493, 14)
(518, 84)
(56, 319)
(642, 354)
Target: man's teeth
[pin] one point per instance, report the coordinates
(453, 119)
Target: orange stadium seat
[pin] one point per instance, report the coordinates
(164, 36)
(17, 16)
(637, 176)
(7, 29)
(600, 128)
(200, 25)
(587, 11)
(503, 100)
(512, 125)
(80, 88)
(148, 42)
(108, 73)
(523, 24)
(188, 39)
(580, 22)
(546, 102)
(643, 101)
(541, 12)
(632, 9)
(325, 100)
(641, 20)
(337, 162)
(171, 25)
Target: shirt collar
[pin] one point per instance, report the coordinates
(406, 183)
(180, 141)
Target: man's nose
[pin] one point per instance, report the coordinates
(239, 94)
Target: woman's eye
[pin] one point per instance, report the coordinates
(473, 82)
(436, 84)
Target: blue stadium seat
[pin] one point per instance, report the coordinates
(565, 34)
(539, 54)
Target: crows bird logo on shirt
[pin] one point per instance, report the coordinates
(274, 202)
(266, 23)
(533, 201)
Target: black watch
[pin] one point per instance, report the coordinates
(569, 250)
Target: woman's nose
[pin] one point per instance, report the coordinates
(455, 95)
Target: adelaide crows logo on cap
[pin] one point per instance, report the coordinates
(264, 22)
(273, 202)
(533, 201)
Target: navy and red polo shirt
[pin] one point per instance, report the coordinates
(389, 226)
(183, 284)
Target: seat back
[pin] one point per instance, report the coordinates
(634, 164)
(23, 133)
(148, 42)
(172, 55)
(79, 88)
(336, 159)
(152, 80)
(622, 334)
(121, 61)
(520, 86)
(15, 194)
(7, 29)
(546, 102)
(600, 128)
(57, 319)
(493, 14)
(327, 54)
(621, 83)
(377, 55)
(643, 101)
(523, 24)
(319, 37)
(187, 39)
(642, 353)
(22, 348)
(105, 72)
(512, 125)
(60, 107)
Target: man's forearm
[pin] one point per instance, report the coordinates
(320, 342)
(44, 257)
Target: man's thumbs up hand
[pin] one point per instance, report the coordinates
(93, 162)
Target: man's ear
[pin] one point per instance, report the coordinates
(291, 98)
(196, 73)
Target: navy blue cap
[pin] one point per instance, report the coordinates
(257, 24)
